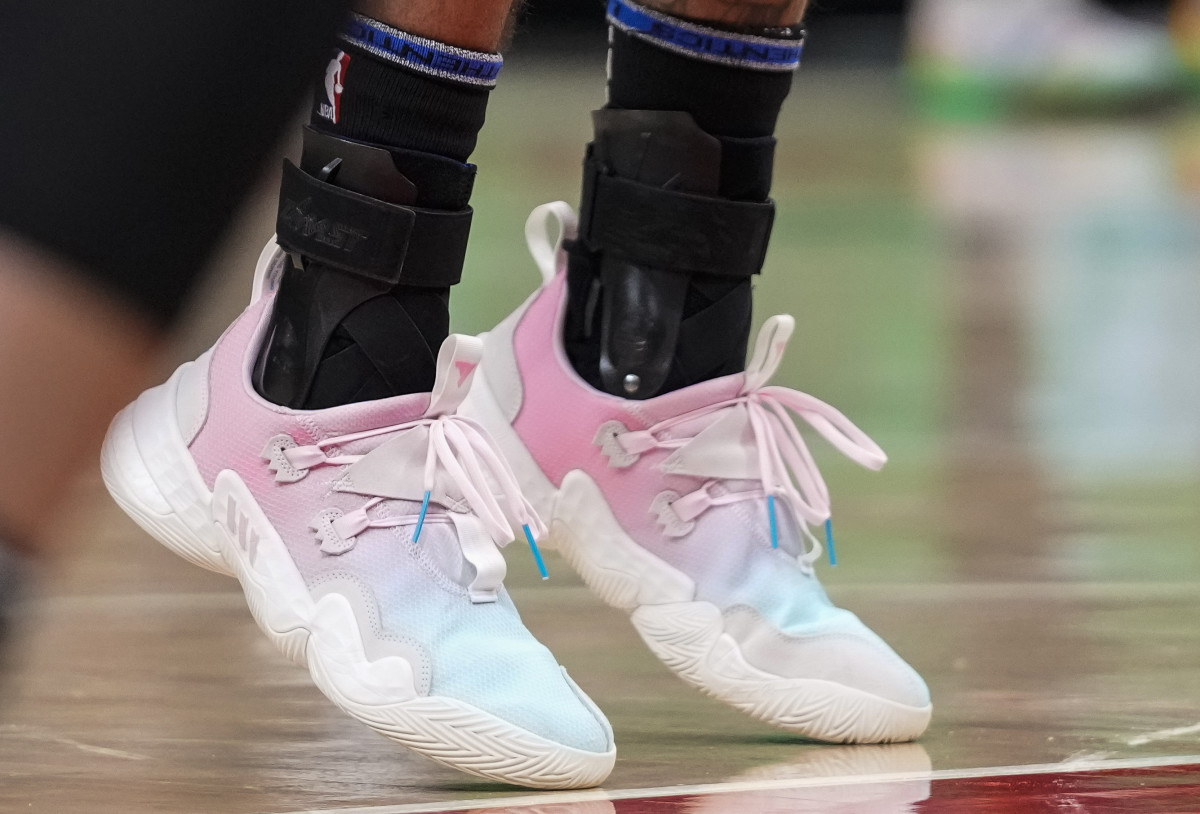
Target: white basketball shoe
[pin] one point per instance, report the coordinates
(366, 539)
(681, 510)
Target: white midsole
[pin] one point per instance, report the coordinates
(150, 473)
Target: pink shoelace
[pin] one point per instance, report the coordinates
(786, 467)
(466, 453)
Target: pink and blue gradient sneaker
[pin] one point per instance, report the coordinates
(366, 538)
(692, 511)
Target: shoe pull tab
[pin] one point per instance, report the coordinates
(457, 361)
(546, 229)
(768, 351)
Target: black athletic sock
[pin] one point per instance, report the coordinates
(732, 85)
(424, 103)
(391, 96)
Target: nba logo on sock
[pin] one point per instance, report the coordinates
(335, 76)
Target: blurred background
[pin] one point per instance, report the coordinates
(989, 232)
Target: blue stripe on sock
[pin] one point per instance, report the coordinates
(743, 50)
(420, 54)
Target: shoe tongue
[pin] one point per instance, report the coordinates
(724, 450)
(768, 351)
(269, 270)
(456, 364)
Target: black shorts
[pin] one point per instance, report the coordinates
(130, 130)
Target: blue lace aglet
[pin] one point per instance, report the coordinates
(774, 524)
(537, 554)
(421, 519)
(829, 541)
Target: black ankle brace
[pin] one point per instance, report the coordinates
(363, 309)
(659, 276)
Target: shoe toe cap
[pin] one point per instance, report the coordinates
(842, 650)
(517, 679)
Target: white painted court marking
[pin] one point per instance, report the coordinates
(41, 734)
(1164, 734)
(559, 798)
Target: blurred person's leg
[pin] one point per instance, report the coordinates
(70, 355)
(674, 478)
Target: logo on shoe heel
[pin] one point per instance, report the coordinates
(465, 369)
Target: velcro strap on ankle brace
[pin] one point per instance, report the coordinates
(673, 230)
(368, 237)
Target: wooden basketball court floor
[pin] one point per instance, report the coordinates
(1011, 310)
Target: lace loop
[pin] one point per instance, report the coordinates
(351, 525)
(693, 504)
(306, 457)
(637, 442)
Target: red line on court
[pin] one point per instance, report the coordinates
(1161, 789)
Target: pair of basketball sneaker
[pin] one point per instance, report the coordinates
(367, 536)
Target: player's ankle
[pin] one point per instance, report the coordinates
(685, 126)
(365, 306)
